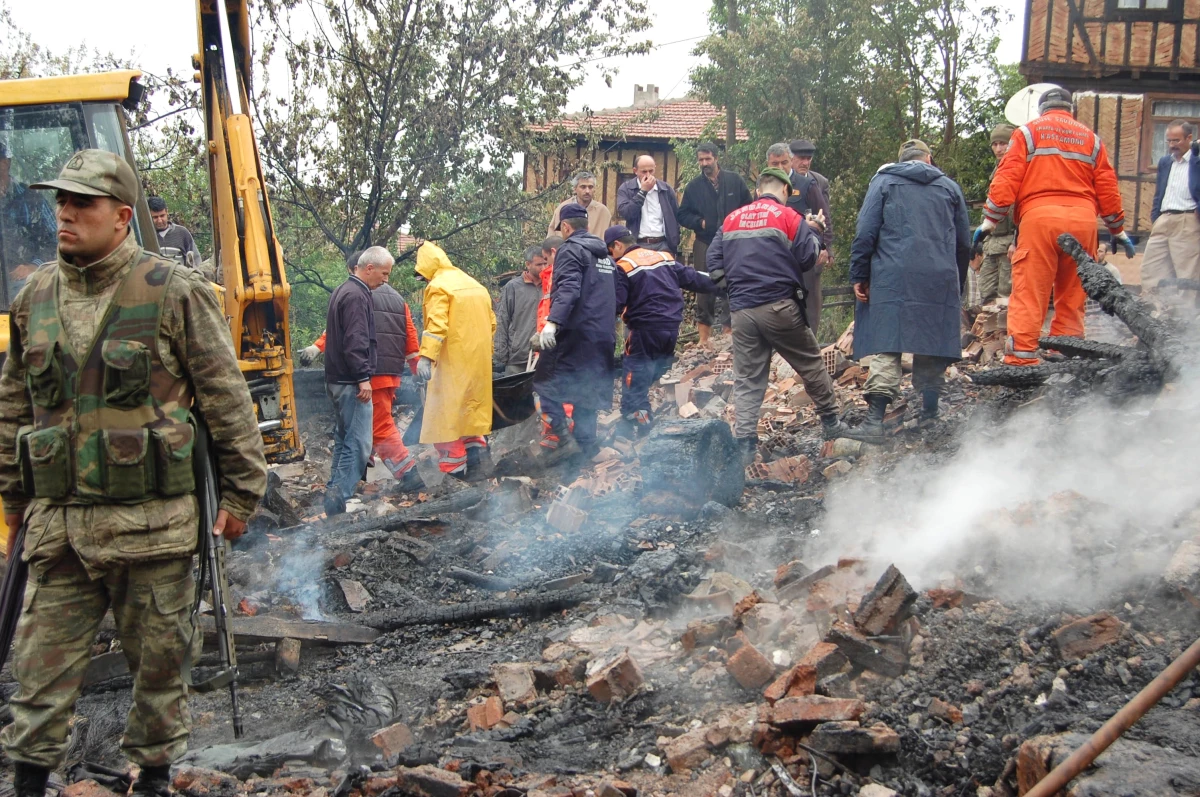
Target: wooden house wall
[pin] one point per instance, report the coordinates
(1120, 118)
(609, 163)
(1081, 34)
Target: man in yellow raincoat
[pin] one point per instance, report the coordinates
(456, 364)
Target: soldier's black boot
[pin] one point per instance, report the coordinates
(154, 782)
(833, 427)
(871, 430)
(749, 447)
(29, 780)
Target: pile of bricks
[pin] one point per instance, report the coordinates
(985, 342)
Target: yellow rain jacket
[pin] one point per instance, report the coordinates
(459, 326)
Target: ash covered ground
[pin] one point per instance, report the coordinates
(950, 613)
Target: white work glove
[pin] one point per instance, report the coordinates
(308, 354)
(547, 339)
(425, 369)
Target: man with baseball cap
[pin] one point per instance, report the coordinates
(577, 341)
(650, 300)
(111, 352)
(1054, 179)
(760, 255)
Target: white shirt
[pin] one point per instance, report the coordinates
(652, 225)
(1177, 196)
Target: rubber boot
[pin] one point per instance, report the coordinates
(929, 407)
(871, 430)
(411, 481)
(479, 464)
(749, 447)
(154, 782)
(833, 427)
(29, 780)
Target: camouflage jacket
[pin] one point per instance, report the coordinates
(193, 343)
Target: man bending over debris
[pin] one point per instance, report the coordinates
(106, 446)
(456, 361)
(760, 255)
(650, 301)
(577, 341)
(908, 264)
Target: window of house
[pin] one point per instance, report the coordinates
(1144, 5)
(1144, 9)
(1162, 113)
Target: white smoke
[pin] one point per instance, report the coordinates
(1071, 507)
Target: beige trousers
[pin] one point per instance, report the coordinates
(1173, 250)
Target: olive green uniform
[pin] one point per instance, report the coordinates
(995, 272)
(105, 456)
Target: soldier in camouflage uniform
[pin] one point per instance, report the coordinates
(995, 269)
(111, 348)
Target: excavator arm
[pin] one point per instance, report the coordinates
(249, 260)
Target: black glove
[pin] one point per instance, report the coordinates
(717, 275)
(977, 249)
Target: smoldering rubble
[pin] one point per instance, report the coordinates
(950, 613)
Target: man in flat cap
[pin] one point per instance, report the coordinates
(112, 349)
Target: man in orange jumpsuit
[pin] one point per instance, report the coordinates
(1056, 172)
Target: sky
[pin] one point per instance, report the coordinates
(162, 34)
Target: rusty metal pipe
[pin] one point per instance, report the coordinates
(1112, 730)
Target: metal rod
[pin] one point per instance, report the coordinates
(1112, 730)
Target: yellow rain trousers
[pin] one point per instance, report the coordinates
(459, 325)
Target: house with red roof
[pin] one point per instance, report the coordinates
(607, 142)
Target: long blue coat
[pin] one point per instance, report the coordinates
(912, 246)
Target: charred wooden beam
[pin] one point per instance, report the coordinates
(1026, 376)
(1092, 349)
(536, 606)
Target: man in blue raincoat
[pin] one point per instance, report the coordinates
(579, 338)
(907, 264)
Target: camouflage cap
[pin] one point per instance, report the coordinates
(95, 172)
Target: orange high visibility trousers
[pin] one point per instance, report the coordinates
(1039, 266)
(389, 443)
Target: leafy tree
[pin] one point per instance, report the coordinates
(402, 115)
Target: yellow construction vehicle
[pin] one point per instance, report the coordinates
(44, 120)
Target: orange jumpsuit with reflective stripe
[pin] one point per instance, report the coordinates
(1056, 172)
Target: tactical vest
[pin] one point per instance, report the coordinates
(110, 425)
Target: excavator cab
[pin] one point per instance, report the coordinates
(38, 134)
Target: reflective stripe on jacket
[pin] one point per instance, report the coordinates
(1056, 160)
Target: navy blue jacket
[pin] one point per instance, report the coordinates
(1194, 175)
(350, 346)
(763, 247)
(579, 369)
(649, 284)
(629, 207)
(912, 247)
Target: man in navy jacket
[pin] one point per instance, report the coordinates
(650, 300)
(579, 338)
(650, 208)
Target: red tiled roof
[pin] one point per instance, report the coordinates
(686, 118)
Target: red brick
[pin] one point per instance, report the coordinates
(764, 622)
(514, 682)
(747, 603)
(850, 738)
(787, 573)
(706, 631)
(430, 781)
(750, 668)
(377, 784)
(886, 604)
(687, 751)
(945, 711)
(199, 782)
(86, 788)
(825, 659)
(486, 715)
(879, 657)
(814, 709)
(799, 681)
(393, 739)
(1084, 637)
(614, 678)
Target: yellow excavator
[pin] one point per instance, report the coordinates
(44, 120)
